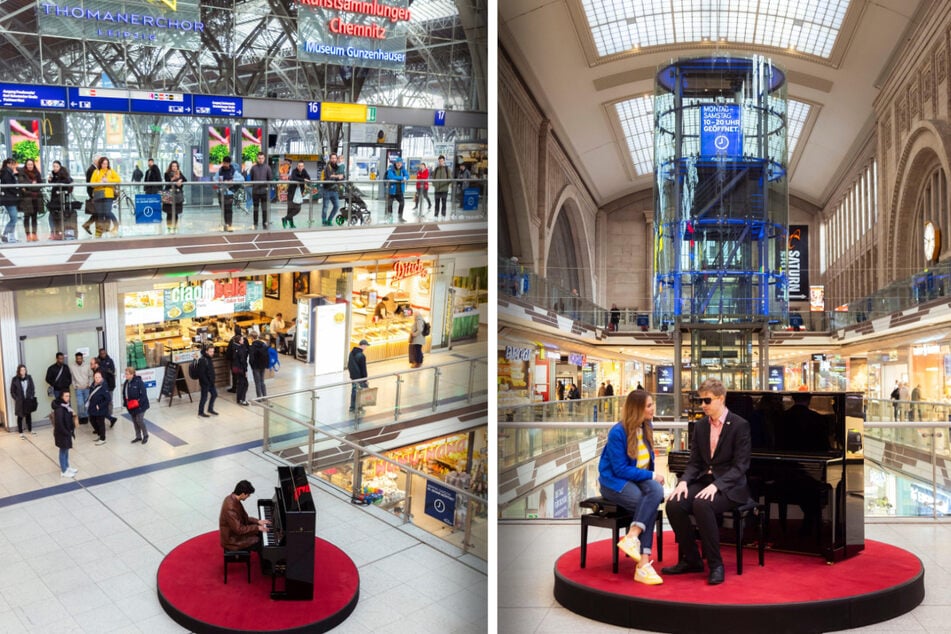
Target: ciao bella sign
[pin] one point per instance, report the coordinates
(409, 268)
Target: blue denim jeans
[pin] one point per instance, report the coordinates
(13, 212)
(643, 498)
(63, 459)
(330, 196)
(353, 393)
(82, 395)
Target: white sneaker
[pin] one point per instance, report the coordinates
(72, 471)
(630, 546)
(22, 436)
(66, 474)
(100, 442)
(647, 575)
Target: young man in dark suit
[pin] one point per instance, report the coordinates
(714, 482)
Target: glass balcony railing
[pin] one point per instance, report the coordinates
(314, 428)
(205, 207)
(906, 465)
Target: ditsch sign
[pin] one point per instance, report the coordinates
(353, 32)
(408, 268)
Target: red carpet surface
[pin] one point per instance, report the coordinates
(191, 583)
(786, 578)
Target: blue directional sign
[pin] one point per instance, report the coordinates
(440, 503)
(148, 208)
(313, 110)
(30, 96)
(218, 106)
(99, 99)
(721, 130)
(160, 102)
(439, 118)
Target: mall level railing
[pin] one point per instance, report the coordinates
(474, 504)
(202, 209)
(433, 384)
(915, 287)
(295, 420)
(520, 442)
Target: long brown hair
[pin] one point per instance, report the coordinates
(635, 407)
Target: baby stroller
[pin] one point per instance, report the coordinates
(354, 208)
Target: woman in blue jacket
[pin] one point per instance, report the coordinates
(627, 478)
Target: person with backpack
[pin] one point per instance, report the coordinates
(259, 360)
(417, 340)
(239, 370)
(229, 354)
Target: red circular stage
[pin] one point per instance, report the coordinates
(792, 593)
(191, 589)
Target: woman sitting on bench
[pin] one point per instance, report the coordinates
(627, 478)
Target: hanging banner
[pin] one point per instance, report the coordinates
(24, 135)
(795, 261)
(353, 33)
(219, 146)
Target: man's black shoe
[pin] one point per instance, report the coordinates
(682, 567)
(112, 422)
(716, 576)
(204, 415)
(212, 412)
(232, 390)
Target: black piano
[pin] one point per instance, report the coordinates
(288, 547)
(807, 466)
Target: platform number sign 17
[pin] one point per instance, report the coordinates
(440, 118)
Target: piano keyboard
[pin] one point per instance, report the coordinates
(270, 537)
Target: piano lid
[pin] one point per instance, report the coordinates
(295, 488)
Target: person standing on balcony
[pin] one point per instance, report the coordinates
(62, 215)
(104, 194)
(153, 175)
(422, 187)
(333, 175)
(260, 172)
(31, 198)
(627, 478)
(357, 366)
(295, 190)
(915, 407)
(442, 176)
(396, 177)
(175, 194)
(10, 199)
(615, 317)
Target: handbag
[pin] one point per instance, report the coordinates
(366, 397)
(297, 199)
(167, 198)
(131, 404)
(49, 391)
(179, 197)
(31, 404)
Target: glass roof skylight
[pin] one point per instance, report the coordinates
(807, 26)
(636, 117)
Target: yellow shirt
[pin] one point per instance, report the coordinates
(643, 455)
(105, 176)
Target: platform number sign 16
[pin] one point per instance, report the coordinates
(313, 110)
(440, 118)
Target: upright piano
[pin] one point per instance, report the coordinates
(808, 467)
(288, 546)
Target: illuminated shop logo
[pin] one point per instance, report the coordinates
(409, 268)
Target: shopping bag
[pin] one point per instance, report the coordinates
(366, 397)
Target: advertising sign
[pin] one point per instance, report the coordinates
(440, 503)
(665, 379)
(776, 378)
(219, 146)
(212, 297)
(560, 499)
(165, 24)
(817, 299)
(795, 260)
(148, 208)
(720, 130)
(217, 106)
(358, 34)
(30, 96)
(24, 140)
(251, 144)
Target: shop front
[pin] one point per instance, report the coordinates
(459, 459)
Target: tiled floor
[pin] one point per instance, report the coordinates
(527, 552)
(82, 556)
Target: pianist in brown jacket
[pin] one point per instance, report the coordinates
(238, 531)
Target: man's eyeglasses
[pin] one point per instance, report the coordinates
(706, 400)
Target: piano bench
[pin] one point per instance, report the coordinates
(739, 516)
(237, 557)
(606, 515)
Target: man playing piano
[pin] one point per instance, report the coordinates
(714, 482)
(238, 531)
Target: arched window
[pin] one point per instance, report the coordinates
(931, 206)
(562, 265)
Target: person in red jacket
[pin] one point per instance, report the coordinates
(422, 187)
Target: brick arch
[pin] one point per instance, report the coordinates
(568, 208)
(928, 145)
